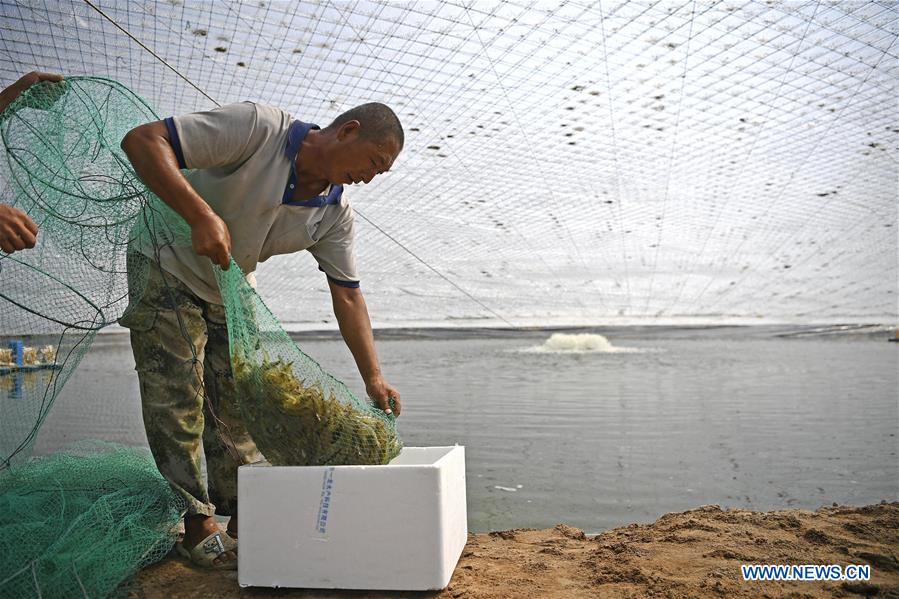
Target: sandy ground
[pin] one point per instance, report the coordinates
(696, 553)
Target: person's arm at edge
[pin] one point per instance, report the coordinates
(17, 230)
(355, 326)
(149, 149)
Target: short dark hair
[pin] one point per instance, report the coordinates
(378, 122)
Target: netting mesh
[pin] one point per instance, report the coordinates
(64, 168)
(582, 161)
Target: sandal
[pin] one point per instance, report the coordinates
(210, 548)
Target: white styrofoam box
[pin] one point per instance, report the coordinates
(396, 527)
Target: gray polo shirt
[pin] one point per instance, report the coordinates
(243, 161)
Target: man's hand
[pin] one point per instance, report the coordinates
(380, 391)
(17, 230)
(8, 95)
(29, 79)
(210, 237)
(355, 326)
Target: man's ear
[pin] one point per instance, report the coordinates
(348, 129)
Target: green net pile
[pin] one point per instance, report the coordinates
(67, 540)
(106, 506)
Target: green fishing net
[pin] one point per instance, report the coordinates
(76, 523)
(68, 539)
(297, 413)
(62, 165)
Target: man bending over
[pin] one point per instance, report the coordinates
(261, 183)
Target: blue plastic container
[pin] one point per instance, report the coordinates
(18, 352)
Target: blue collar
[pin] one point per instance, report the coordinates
(295, 136)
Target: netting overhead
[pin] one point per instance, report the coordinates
(579, 161)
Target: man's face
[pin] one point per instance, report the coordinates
(355, 160)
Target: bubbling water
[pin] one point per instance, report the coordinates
(580, 343)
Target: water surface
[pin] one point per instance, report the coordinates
(596, 439)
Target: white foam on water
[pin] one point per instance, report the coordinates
(563, 343)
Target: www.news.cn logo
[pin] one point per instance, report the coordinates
(805, 572)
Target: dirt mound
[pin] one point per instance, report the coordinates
(689, 554)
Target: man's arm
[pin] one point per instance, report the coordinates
(149, 149)
(355, 326)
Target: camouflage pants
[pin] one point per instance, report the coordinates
(180, 345)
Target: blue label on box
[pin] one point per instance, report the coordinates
(321, 522)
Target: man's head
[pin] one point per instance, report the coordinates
(362, 142)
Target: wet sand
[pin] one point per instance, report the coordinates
(696, 553)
